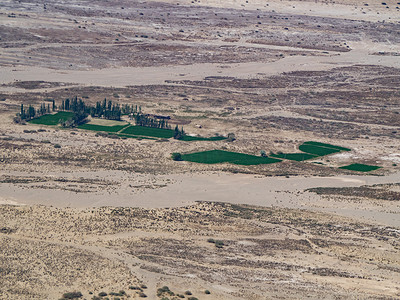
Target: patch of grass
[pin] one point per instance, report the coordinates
(189, 138)
(360, 167)
(148, 131)
(135, 136)
(53, 119)
(317, 150)
(220, 156)
(294, 156)
(93, 127)
(326, 146)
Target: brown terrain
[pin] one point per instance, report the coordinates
(83, 212)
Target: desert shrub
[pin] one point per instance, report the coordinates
(188, 293)
(231, 137)
(72, 295)
(176, 156)
(211, 241)
(142, 295)
(102, 294)
(57, 146)
(219, 244)
(207, 292)
(163, 290)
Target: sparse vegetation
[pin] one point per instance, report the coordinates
(72, 295)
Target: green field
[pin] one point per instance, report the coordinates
(220, 156)
(115, 128)
(149, 131)
(294, 156)
(360, 167)
(130, 136)
(326, 146)
(317, 150)
(53, 119)
(189, 138)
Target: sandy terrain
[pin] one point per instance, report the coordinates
(89, 213)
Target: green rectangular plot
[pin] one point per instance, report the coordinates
(220, 156)
(295, 156)
(149, 131)
(326, 145)
(189, 138)
(53, 119)
(360, 167)
(94, 127)
(135, 137)
(316, 150)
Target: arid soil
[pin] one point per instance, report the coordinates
(263, 253)
(84, 212)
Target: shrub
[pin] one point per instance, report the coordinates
(219, 244)
(211, 241)
(102, 294)
(72, 295)
(142, 295)
(231, 137)
(163, 290)
(176, 156)
(57, 146)
(192, 298)
(207, 292)
(188, 293)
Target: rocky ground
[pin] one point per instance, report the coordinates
(234, 251)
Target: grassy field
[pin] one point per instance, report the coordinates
(94, 127)
(53, 119)
(317, 150)
(360, 167)
(326, 146)
(220, 156)
(189, 138)
(130, 136)
(294, 156)
(311, 150)
(148, 131)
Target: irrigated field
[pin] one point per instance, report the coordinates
(317, 150)
(189, 138)
(360, 168)
(148, 131)
(53, 119)
(94, 127)
(220, 156)
(326, 146)
(311, 150)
